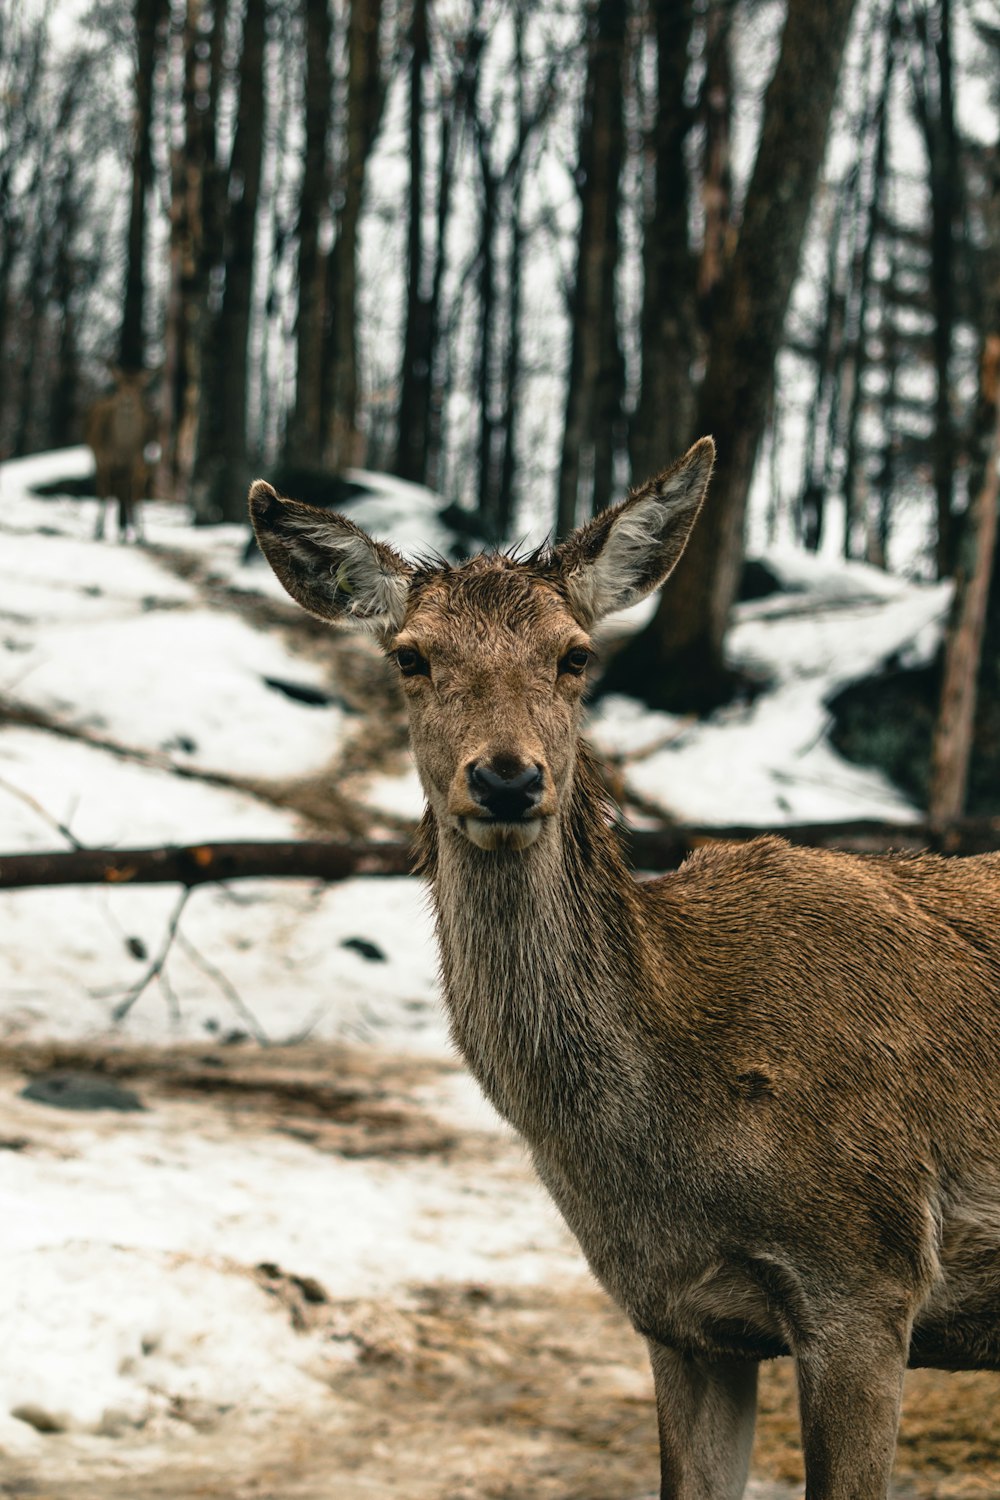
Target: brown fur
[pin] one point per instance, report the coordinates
(764, 1091)
(117, 429)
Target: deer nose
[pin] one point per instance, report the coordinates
(507, 792)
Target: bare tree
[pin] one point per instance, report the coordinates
(593, 430)
(222, 462)
(678, 660)
(305, 425)
(342, 442)
(149, 16)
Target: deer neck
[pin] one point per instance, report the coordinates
(542, 962)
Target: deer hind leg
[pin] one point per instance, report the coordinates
(850, 1388)
(706, 1410)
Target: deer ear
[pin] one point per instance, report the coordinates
(626, 551)
(328, 565)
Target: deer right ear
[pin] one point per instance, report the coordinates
(626, 551)
(328, 565)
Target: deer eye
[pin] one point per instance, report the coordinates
(411, 663)
(575, 662)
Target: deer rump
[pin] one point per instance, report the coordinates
(764, 1091)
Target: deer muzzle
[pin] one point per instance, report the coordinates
(505, 803)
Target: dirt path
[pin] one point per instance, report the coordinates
(499, 1389)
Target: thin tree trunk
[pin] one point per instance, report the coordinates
(223, 461)
(512, 365)
(187, 303)
(663, 419)
(343, 442)
(952, 744)
(678, 660)
(415, 377)
(63, 413)
(945, 192)
(132, 340)
(596, 381)
(717, 104)
(856, 357)
(305, 429)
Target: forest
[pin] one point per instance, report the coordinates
(524, 254)
(468, 269)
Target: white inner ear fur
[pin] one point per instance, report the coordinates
(628, 566)
(615, 571)
(376, 593)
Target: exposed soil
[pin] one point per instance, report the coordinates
(443, 1392)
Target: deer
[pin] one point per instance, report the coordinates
(763, 1089)
(118, 429)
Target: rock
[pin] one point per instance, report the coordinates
(66, 1090)
(40, 1418)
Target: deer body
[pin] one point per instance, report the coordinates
(763, 1091)
(118, 428)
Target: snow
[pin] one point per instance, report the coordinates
(770, 763)
(130, 1244)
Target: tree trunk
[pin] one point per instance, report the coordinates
(305, 428)
(343, 443)
(677, 662)
(132, 342)
(415, 377)
(223, 468)
(596, 382)
(191, 181)
(856, 357)
(937, 112)
(952, 745)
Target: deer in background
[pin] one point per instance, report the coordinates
(764, 1090)
(119, 427)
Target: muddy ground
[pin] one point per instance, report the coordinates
(494, 1390)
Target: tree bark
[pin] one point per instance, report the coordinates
(222, 467)
(678, 662)
(664, 416)
(343, 442)
(952, 744)
(305, 428)
(415, 376)
(936, 109)
(193, 183)
(595, 391)
(132, 341)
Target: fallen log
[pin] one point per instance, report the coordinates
(649, 849)
(199, 864)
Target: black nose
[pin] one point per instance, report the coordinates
(508, 793)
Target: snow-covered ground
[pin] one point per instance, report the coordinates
(128, 1239)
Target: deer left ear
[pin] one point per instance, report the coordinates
(625, 552)
(328, 565)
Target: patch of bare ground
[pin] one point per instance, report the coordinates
(333, 1098)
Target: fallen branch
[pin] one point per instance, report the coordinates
(324, 859)
(200, 864)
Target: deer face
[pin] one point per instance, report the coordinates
(493, 654)
(493, 663)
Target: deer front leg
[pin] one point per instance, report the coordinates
(706, 1410)
(850, 1388)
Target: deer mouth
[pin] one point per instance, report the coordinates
(495, 833)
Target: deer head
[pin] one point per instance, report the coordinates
(493, 654)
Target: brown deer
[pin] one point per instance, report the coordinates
(764, 1091)
(118, 428)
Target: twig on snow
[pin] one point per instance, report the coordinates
(155, 969)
